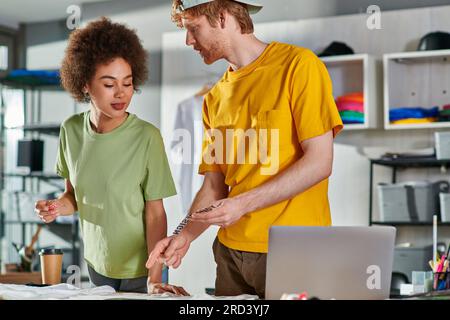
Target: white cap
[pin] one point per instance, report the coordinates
(253, 6)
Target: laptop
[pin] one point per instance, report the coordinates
(344, 263)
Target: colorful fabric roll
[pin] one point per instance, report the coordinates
(352, 97)
(350, 117)
(412, 113)
(350, 106)
(444, 118)
(353, 114)
(414, 121)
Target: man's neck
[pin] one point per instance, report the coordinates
(103, 124)
(244, 50)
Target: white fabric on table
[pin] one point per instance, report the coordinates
(60, 291)
(70, 292)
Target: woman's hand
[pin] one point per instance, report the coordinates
(48, 210)
(158, 288)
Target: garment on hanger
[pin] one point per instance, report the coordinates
(204, 90)
(189, 118)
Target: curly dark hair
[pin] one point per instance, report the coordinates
(100, 42)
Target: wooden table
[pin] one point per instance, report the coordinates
(21, 278)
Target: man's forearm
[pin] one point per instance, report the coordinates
(299, 177)
(204, 198)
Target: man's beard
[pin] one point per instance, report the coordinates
(214, 53)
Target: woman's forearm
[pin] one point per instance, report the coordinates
(68, 204)
(156, 229)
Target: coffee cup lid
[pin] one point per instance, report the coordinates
(50, 251)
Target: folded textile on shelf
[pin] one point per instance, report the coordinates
(351, 97)
(350, 106)
(413, 113)
(352, 117)
(414, 121)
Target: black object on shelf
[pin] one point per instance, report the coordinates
(50, 129)
(437, 40)
(405, 162)
(402, 163)
(336, 48)
(31, 154)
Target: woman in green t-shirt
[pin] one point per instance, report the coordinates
(114, 164)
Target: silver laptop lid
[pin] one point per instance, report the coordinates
(330, 262)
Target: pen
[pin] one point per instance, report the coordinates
(448, 252)
(185, 221)
(434, 237)
(431, 263)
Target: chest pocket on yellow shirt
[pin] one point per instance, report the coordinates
(278, 124)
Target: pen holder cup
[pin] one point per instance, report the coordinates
(441, 281)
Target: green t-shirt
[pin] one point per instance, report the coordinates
(113, 174)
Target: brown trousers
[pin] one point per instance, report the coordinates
(239, 272)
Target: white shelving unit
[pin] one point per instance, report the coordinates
(356, 73)
(416, 79)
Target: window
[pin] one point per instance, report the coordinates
(3, 58)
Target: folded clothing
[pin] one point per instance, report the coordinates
(413, 112)
(351, 97)
(352, 114)
(352, 121)
(443, 118)
(414, 120)
(446, 107)
(350, 106)
(348, 119)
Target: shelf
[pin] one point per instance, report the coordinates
(431, 125)
(411, 162)
(347, 58)
(40, 175)
(38, 222)
(355, 73)
(33, 79)
(411, 224)
(416, 79)
(50, 129)
(418, 56)
(395, 164)
(46, 87)
(352, 126)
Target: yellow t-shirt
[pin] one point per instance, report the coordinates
(286, 92)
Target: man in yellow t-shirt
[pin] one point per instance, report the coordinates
(268, 148)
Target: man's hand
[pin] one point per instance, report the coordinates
(158, 288)
(223, 213)
(170, 251)
(48, 210)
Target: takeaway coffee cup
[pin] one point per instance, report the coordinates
(51, 265)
